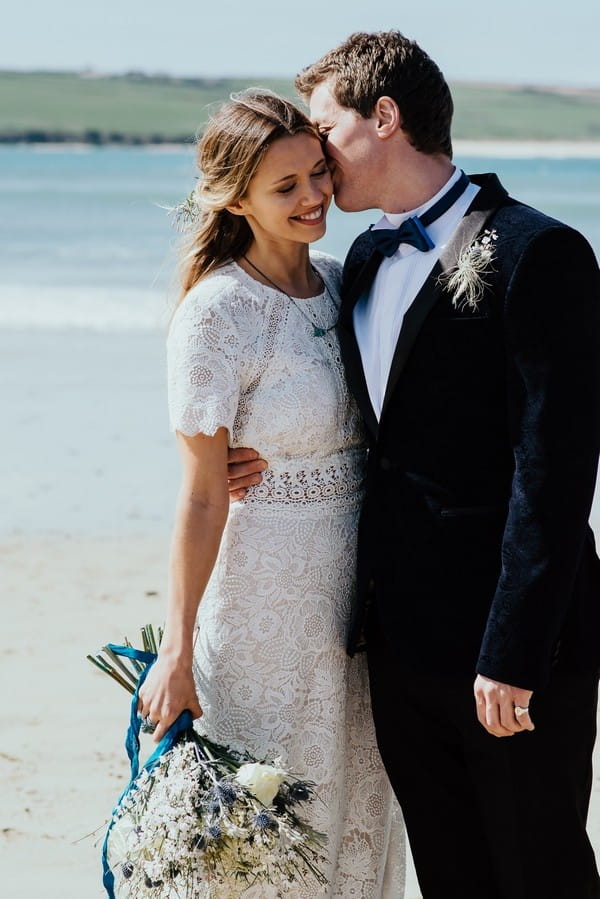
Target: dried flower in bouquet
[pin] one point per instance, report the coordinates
(200, 819)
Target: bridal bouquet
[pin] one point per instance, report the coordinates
(199, 818)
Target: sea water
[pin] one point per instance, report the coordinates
(86, 239)
(87, 261)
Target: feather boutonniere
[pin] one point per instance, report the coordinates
(467, 280)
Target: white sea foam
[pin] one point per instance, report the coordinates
(89, 308)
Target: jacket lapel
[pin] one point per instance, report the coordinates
(489, 197)
(355, 375)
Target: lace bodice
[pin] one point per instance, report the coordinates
(238, 354)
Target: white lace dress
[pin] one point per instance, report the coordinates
(272, 673)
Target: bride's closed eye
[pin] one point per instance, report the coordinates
(319, 174)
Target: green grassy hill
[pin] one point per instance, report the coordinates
(520, 113)
(40, 106)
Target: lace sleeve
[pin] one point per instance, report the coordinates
(204, 362)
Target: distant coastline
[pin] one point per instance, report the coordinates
(141, 110)
(528, 149)
(90, 137)
(484, 148)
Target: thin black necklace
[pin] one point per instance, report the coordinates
(318, 331)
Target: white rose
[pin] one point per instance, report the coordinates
(263, 781)
(123, 841)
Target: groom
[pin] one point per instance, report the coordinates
(470, 333)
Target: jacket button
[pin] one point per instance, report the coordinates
(385, 464)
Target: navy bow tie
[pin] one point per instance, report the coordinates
(412, 231)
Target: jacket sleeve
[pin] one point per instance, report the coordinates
(552, 323)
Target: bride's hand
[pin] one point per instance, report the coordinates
(168, 690)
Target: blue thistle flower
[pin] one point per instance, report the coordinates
(227, 793)
(263, 821)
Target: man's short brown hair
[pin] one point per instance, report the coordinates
(387, 64)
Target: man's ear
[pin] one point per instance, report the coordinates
(387, 115)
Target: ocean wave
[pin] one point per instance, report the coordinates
(88, 308)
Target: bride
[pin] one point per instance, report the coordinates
(260, 592)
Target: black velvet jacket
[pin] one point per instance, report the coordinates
(474, 540)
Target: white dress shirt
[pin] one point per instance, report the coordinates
(378, 317)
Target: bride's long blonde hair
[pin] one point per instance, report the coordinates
(229, 153)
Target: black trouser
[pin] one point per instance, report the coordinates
(488, 817)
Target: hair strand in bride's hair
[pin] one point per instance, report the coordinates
(230, 151)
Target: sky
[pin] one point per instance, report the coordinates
(552, 42)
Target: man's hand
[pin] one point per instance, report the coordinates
(503, 710)
(244, 469)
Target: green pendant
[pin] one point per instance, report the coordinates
(319, 332)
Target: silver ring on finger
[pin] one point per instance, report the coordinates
(148, 726)
(521, 710)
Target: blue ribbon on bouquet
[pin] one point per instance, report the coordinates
(132, 745)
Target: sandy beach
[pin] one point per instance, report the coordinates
(86, 499)
(529, 149)
(62, 760)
